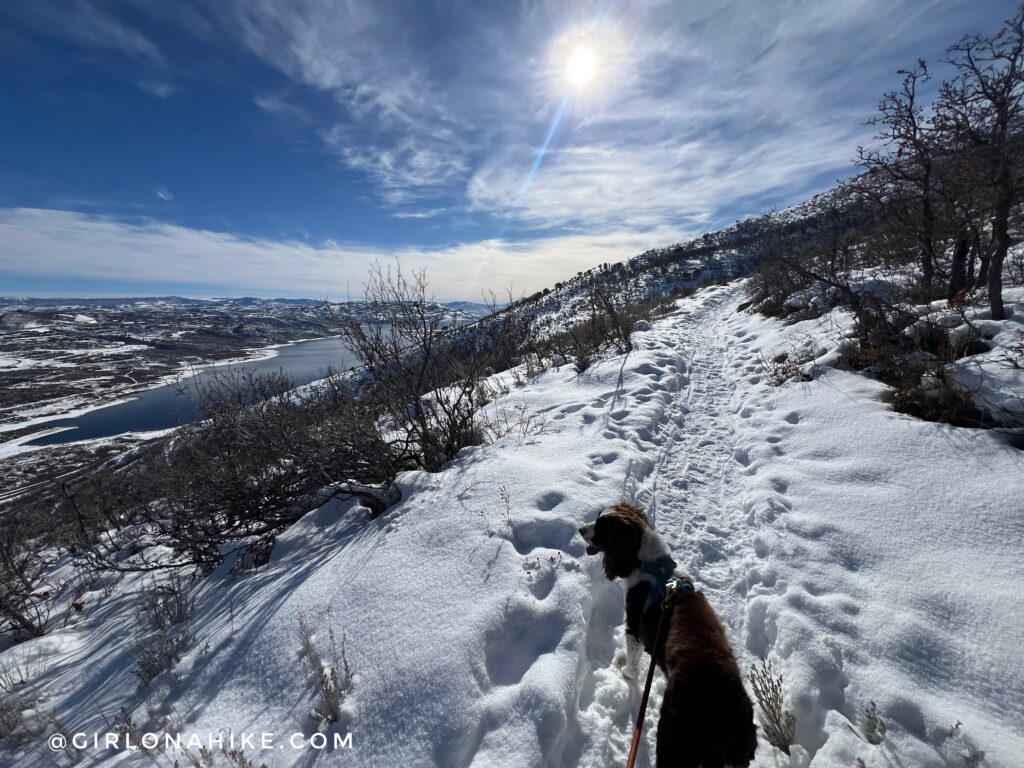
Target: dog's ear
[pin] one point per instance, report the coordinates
(620, 542)
(631, 513)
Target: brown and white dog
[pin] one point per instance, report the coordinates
(706, 715)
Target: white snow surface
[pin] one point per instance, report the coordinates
(871, 556)
(995, 379)
(14, 363)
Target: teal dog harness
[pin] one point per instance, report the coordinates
(663, 570)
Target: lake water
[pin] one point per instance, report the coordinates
(164, 408)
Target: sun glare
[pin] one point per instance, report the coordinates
(582, 66)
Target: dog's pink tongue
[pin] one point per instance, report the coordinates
(592, 550)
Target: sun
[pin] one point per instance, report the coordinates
(582, 66)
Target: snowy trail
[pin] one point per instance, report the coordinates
(819, 551)
(688, 488)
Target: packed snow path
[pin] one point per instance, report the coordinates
(715, 469)
(871, 556)
(685, 478)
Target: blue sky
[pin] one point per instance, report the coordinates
(278, 148)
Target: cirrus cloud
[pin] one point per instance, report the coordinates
(49, 243)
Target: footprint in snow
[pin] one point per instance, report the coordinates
(647, 369)
(514, 646)
(541, 580)
(547, 533)
(549, 501)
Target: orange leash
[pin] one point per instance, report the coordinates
(638, 728)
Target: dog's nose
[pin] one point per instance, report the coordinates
(582, 531)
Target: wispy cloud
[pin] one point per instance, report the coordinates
(279, 105)
(158, 88)
(393, 122)
(164, 194)
(597, 186)
(85, 23)
(47, 243)
(695, 106)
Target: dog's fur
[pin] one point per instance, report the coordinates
(706, 715)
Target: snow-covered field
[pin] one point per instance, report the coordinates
(871, 556)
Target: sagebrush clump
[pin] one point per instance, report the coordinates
(164, 611)
(779, 723)
(333, 683)
(874, 725)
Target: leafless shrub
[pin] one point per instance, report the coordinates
(616, 317)
(255, 464)
(24, 596)
(956, 745)
(128, 732)
(251, 467)
(164, 611)
(17, 671)
(606, 329)
(932, 396)
(506, 500)
(423, 377)
(874, 725)
(158, 652)
(585, 348)
(782, 368)
(534, 363)
(168, 604)
(233, 757)
(504, 420)
(16, 697)
(333, 683)
(1014, 355)
(778, 723)
(12, 725)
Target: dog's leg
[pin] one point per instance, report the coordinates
(634, 650)
(629, 661)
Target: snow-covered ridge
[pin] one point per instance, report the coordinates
(870, 555)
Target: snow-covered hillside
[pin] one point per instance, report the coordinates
(871, 556)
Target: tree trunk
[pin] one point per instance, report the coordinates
(926, 239)
(958, 267)
(1001, 236)
(927, 266)
(972, 279)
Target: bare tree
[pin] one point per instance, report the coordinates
(981, 108)
(905, 164)
(426, 379)
(23, 597)
(960, 206)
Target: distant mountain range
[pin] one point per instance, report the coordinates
(468, 307)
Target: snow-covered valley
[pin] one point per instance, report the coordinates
(870, 555)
